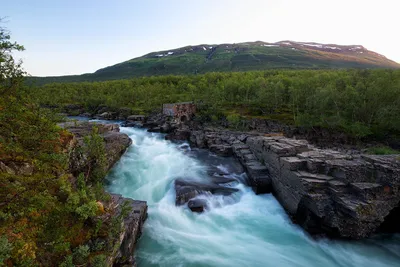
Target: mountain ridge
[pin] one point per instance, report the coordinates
(226, 57)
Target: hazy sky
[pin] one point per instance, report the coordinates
(81, 36)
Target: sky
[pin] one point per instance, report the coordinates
(82, 36)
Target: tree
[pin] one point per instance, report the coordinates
(11, 71)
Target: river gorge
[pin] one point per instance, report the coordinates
(242, 229)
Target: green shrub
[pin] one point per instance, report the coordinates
(87, 210)
(81, 254)
(67, 262)
(95, 150)
(233, 120)
(5, 249)
(99, 261)
(382, 150)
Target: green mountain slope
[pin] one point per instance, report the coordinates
(237, 57)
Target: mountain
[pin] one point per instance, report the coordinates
(237, 57)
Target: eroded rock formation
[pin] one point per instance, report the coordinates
(341, 194)
(135, 214)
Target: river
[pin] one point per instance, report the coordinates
(240, 230)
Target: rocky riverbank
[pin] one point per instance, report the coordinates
(340, 193)
(133, 213)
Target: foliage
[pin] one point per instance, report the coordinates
(233, 120)
(95, 150)
(45, 212)
(99, 261)
(362, 103)
(5, 249)
(382, 150)
(81, 254)
(68, 262)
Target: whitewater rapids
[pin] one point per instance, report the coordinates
(240, 230)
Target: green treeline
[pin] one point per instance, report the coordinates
(359, 102)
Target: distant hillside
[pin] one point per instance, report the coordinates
(237, 57)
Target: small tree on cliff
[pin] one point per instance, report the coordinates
(11, 71)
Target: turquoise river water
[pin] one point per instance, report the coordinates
(241, 230)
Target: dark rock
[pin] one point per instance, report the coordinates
(135, 124)
(136, 118)
(178, 135)
(197, 205)
(258, 175)
(189, 189)
(154, 130)
(123, 252)
(220, 179)
(221, 150)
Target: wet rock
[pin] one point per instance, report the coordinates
(188, 189)
(221, 150)
(220, 179)
(154, 130)
(136, 118)
(135, 124)
(86, 114)
(178, 135)
(197, 205)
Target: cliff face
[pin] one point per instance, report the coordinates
(115, 144)
(347, 195)
(130, 214)
(327, 191)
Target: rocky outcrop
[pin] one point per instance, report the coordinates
(19, 168)
(258, 176)
(341, 194)
(115, 143)
(133, 212)
(122, 254)
(329, 192)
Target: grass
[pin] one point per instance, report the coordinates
(382, 150)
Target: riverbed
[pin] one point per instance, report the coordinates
(243, 229)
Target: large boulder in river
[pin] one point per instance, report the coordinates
(197, 205)
(190, 189)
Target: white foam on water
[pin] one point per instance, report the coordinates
(243, 229)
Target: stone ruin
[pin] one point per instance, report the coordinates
(181, 112)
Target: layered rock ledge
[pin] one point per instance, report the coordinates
(327, 191)
(339, 194)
